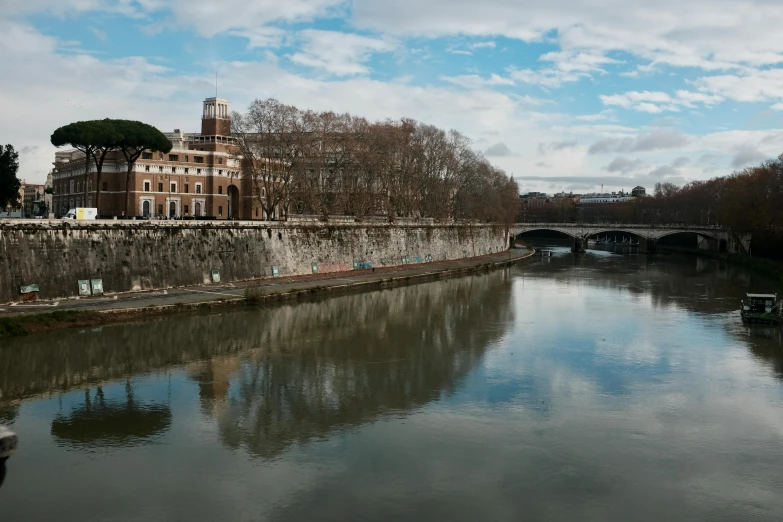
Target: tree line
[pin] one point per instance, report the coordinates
(324, 163)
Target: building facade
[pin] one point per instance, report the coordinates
(592, 199)
(33, 197)
(199, 178)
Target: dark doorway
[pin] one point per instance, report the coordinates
(233, 202)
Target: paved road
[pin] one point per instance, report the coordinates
(201, 294)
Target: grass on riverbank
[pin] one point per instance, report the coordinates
(26, 324)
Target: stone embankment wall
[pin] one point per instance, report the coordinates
(134, 256)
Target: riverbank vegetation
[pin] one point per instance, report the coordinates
(328, 164)
(26, 324)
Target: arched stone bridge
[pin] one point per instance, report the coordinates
(708, 238)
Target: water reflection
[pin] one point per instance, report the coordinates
(297, 371)
(595, 387)
(696, 285)
(98, 422)
(331, 365)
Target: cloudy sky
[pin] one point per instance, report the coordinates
(564, 94)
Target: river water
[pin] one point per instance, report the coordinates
(597, 387)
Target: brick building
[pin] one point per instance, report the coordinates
(198, 178)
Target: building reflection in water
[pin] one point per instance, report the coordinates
(269, 376)
(327, 366)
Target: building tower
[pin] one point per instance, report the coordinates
(215, 119)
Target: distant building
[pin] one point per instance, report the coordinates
(639, 192)
(33, 196)
(534, 195)
(614, 197)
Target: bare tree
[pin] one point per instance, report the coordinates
(328, 164)
(268, 142)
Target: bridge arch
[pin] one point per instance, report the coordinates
(701, 239)
(573, 234)
(615, 231)
(706, 233)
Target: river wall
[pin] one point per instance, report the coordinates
(135, 256)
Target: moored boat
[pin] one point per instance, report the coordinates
(762, 309)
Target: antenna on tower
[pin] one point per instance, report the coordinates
(602, 188)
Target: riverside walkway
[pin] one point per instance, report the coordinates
(269, 288)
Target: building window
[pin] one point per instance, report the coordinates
(220, 189)
(146, 186)
(173, 187)
(173, 170)
(220, 211)
(146, 168)
(160, 169)
(220, 172)
(71, 191)
(146, 155)
(198, 159)
(105, 186)
(186, 191)
(185, 211)
(220, 161)
(186, 158)
(90, 185)
(173, 157)
(198, 171)
(160, 187)
(160, 209)
(198, 188)
(256, 211)
(186, 170)
(145, 208)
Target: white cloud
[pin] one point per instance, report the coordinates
(604, 115)
(567, 66)
(482, 45)
(210, 18)
(341, 54)
(545, 78)
(655, 102)
(263, 36)
(710, 34)
(656, 140)
(752, 86)
(474, 81)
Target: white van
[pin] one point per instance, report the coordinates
(82, 213)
